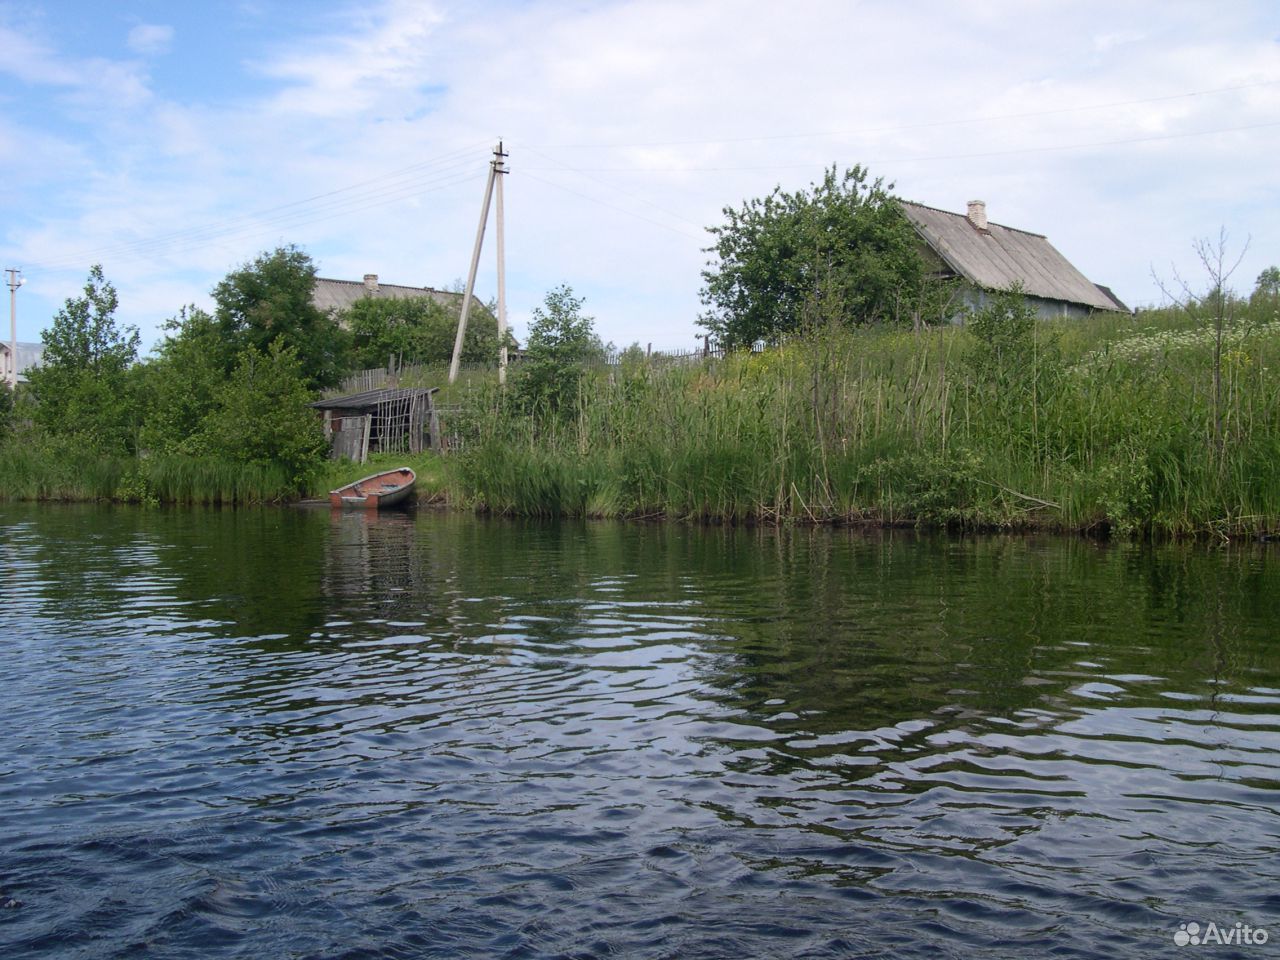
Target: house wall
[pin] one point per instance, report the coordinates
(972, 298)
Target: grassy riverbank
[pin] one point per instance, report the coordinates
(61, 472)
(1114, 423)
(436, 481)
(1109, 423)
(34, 469)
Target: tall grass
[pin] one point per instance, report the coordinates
(1102, 423)
(46, 470)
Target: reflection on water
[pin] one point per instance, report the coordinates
(284, 733)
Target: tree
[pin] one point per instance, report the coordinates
(1219, 303)
(1266, 292)
(562, 341)
(177, 388)
(82, 385)
(6, 410)
(841, 251)
(261, 415)
(270, 299)
(417, 330)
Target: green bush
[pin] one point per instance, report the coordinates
(261, 417)
(562, 343)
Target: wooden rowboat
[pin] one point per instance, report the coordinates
(375, 492)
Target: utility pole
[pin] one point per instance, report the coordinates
(16, 279)
(495, 168)
(500, 167)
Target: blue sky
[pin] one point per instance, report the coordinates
(174, 142)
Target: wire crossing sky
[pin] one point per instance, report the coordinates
(174, 142)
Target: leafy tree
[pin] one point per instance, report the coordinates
(1268, 281)
(261, 415)
(841, 251)
(6, 409)
(270, 299)
(1266, 291)
(178, 387)
(417, 330)
(562, 341)
(83, 384)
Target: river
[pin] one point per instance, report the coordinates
(281, 733)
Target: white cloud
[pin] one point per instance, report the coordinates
(631, 124)
(95, 81)
(354, 71)
(150, 39)
(30, 61)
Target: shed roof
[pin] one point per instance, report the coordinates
(1001, 257)
(341, 294)
(371, 398)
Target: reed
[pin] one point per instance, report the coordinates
(1103, 423)
(190, 480)
(48, 470)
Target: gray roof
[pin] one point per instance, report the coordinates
(1000, 257)
(371, 398)
(29, 355)
(341, 294)
(1107, 291)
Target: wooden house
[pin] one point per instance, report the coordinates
(988, 257)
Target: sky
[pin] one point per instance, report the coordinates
(173, 143)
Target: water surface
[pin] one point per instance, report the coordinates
(277, 733)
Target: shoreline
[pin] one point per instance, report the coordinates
(1099, 531)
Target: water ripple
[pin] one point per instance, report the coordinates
(248, 734)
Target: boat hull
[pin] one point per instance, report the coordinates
(378, 491)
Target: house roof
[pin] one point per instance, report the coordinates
(29, 355)
(341, 294)
(1107, 291)
(371, 398)
(1000, 257)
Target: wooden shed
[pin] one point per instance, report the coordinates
(392, 419)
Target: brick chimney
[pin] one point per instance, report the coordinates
(371, 282)
(977, 214)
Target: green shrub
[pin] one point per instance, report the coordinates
(262, 418)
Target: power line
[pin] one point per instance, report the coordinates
(295, 216)
(237, 226)
(632, 193)
(989, 118)
(952, 156)
(611, 206)
(389, 187)
(265, 228)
